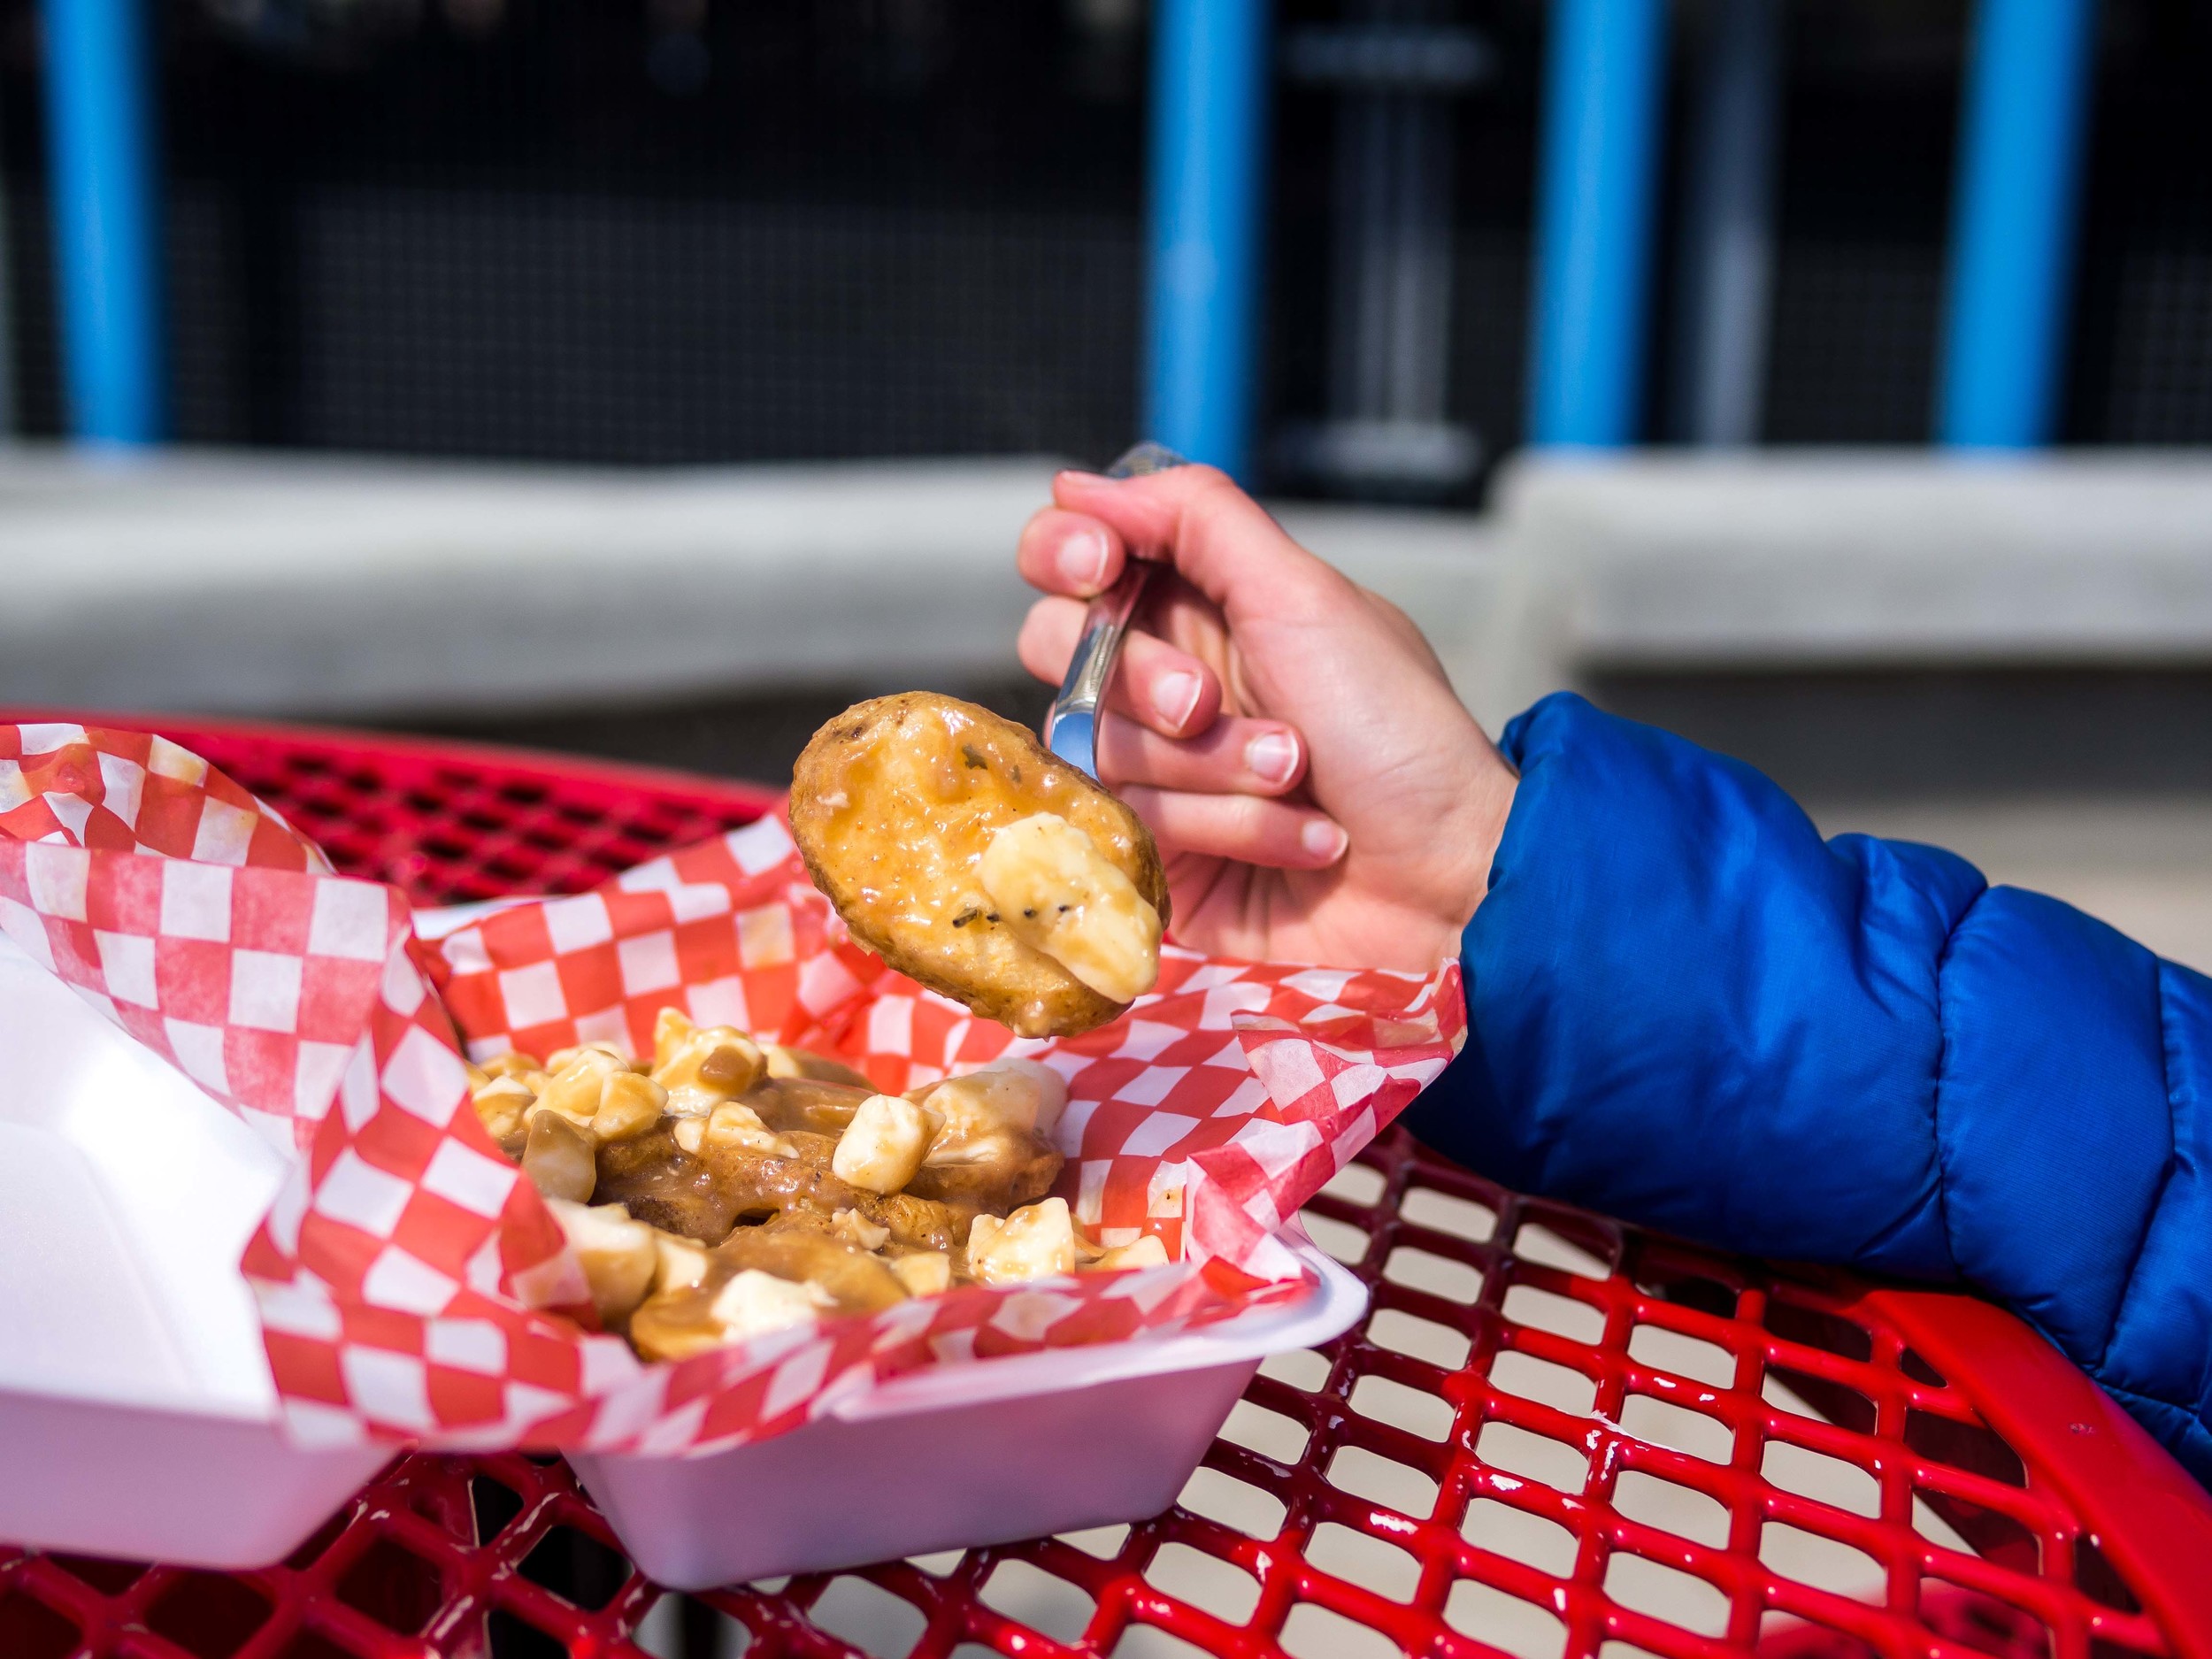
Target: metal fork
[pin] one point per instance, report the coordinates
(1072, 722)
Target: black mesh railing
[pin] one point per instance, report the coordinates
(654, 231)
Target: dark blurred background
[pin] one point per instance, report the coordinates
(527, 248)
(667, 231)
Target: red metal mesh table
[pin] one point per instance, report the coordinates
(1553, 1435)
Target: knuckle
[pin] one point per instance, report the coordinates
(1049, 618)
(1200, 478)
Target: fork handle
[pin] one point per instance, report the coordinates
(1071, 722)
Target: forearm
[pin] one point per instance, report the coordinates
(1690, 1011)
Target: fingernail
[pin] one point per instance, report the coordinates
(1176, 698)
(1324, 840)
(1083, 560)
(1272, 755)
(1085, 473)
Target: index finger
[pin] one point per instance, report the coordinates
(1069, 553)
(1223, 543)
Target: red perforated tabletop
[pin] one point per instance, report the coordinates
(1552, 1435)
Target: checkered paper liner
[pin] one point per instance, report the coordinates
(412, 1285)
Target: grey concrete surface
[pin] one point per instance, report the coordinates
(1767, 557)
(361, 588)
(2143, 863)
(364, 589)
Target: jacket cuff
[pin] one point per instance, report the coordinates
(1688, 1011)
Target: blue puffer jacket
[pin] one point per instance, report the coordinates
(1691, 1011)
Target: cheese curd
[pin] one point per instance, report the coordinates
(628, 1105)
(883, 1147)
(499, 1103)
(731, 1123)
(703, 1067)
(577, 1078)
(558, 1158)
(1021, 1095)
(617, 1254)
(1036, 1241)
(753, 1301)
(856, 1229)
(1057, 894)
(679, 1263)
(925, 1273)
(1140, 1252)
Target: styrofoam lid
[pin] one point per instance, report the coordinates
(127, 1197)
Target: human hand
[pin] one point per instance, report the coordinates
(1319, 791)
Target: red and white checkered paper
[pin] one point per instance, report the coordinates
(411, 1284)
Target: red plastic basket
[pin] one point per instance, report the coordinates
(1552, 1435)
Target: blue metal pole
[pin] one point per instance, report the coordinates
(2021, 131)
(107, 239)
(1210, 76)
(1604, 81)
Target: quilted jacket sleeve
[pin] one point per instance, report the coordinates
(1691, 1011)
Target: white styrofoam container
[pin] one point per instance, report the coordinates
(138, 1415)
(959, 1456)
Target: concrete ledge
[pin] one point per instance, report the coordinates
(231, 583)
(359, 588)
(1779, 558)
